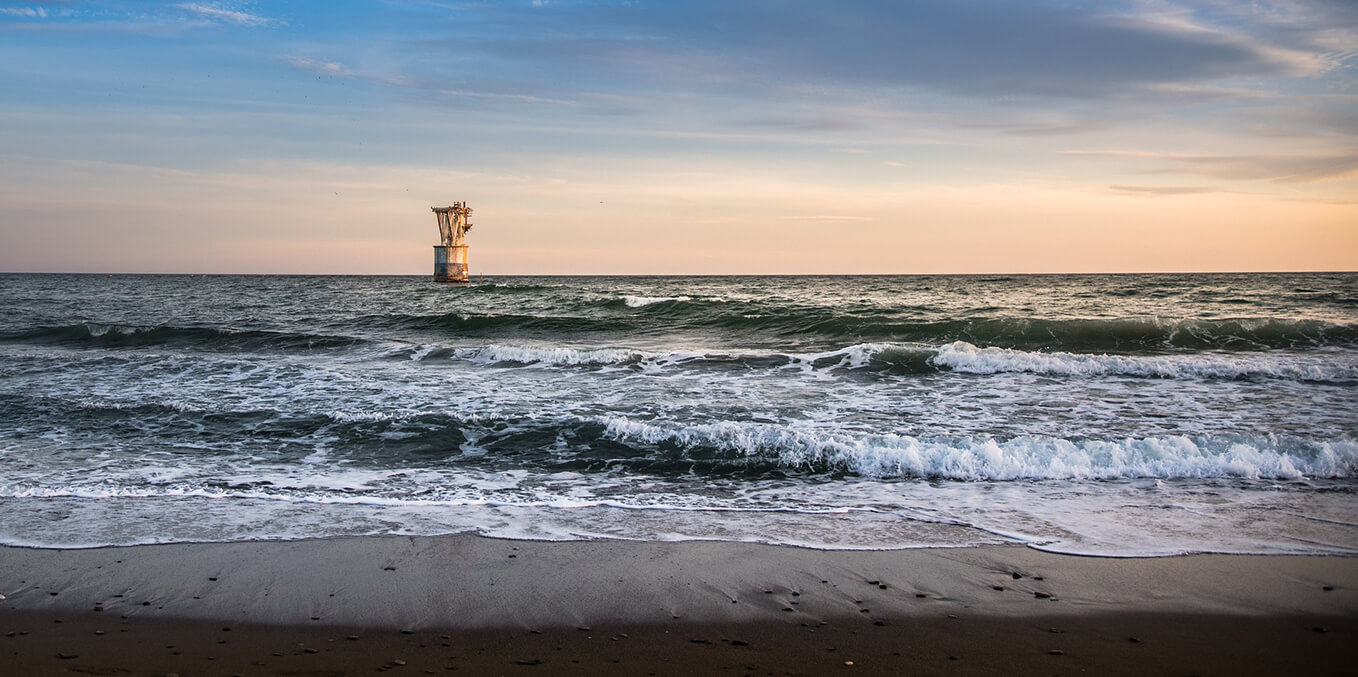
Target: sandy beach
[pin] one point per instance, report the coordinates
(489, 606)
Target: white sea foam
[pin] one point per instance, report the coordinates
(366, 416)
(95, 329)
(1121, 518)
(959, 356)
(855, 356)
(964, 357)
(642, 301)
(551, 356)
(1021, 458)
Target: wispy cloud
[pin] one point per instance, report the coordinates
(440, 88)
(1113, 153)
(826, 218)
(1276, 168)
(969, 48)
(216, 13)
(315, 66)
(522, 98)
(1166, 190)
(805, 124)
(30, 12)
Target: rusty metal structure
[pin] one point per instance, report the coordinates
(450, 257)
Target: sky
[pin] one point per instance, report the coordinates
(698, 137)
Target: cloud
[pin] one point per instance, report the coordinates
(805, 124)
(337, 69)
(801, 68)
(963, 47)
(214, 13)
(1113, 153)
(826, 218)
(1277, 168)
(1166, 190)
(314, 66)
(30, 12)
(522, 98)
(1327, 27)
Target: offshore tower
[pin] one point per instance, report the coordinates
(450, 257)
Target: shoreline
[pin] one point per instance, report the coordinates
(667, 607)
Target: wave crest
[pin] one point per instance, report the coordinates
(905, 359)
(964, 357)
(1021, 458)
(643, 301)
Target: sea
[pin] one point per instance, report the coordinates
(1107, 415)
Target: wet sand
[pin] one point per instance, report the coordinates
(488, 606)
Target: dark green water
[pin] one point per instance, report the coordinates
(1213, 411)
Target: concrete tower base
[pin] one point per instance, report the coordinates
(450, 263)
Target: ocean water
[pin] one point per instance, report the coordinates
(1111, 415)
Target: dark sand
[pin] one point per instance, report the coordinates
(484, 606)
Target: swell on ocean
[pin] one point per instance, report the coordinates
(1112, 415)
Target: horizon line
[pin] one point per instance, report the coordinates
(704, 275)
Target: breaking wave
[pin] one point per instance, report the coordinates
(965, 357)
(770, 324)
(643, 301)
(905, 359)
(1022, 458)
